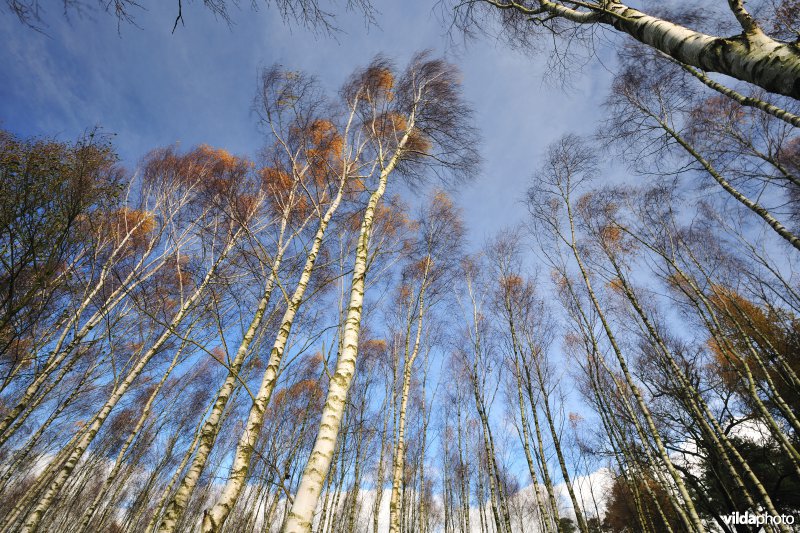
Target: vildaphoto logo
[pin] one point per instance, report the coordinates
(749, 519)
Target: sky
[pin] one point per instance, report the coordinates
(151, 87)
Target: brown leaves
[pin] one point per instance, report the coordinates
(324, 150)
(511, 284)
(378, 82)
(613, 239)
(616, 285)
(277, 181)
(135, 224)
(218, 353)
(373, 350)
(419, 269)
(125, 225)
(749, 332)
(417, 143)
(391, 220)
(212, 172)
(390, 125)
(393, 126)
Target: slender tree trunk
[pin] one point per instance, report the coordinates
(302, 511)
(215, 517)
(31, 524)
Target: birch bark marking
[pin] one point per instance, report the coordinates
(210, 430)
(694, 518)
(119, 463)
(751, 56)
(59, 354)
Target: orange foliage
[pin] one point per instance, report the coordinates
(211, 171)
(394, 126)
(611, 235)
(388, 219)
(218, 353)
(138, 224)
(324, 151)
(745, 312)
(422, 267)
(418, 142)
(279, 183)
(324, 135)
(442, 202)
(391, 125)
(306, 387)
(276, 180)
(373, 349)
(295, 398)
(245, 205)
(379, 83)
(511, 284)
(616, 286)
(383, 79)
(391, 219)
(219, 170)
(355, 185)
(584, 201)
(677, 281)
(612, 238)
(748, 327)
(219, 159)
(124, 224)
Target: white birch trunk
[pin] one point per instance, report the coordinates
(751, 56)
(214, 518)
(32, 523)
(301, 515)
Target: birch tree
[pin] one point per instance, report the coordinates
(425, 280)
(411, 122)
(748, 52)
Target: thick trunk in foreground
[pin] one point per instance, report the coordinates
(751, 56)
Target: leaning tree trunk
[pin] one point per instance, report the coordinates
(751, 56)
(214, 518)
(32, 523)
(302, 511)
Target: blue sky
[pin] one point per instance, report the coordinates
(152, 87)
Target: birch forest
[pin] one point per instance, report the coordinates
(319, 337)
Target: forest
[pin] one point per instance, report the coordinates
(311, 338)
